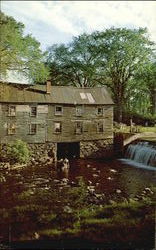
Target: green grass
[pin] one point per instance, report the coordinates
(140, 129)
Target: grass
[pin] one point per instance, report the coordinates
(139, 129)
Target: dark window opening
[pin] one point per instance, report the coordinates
(58, 110)
(33, 129)
(68, 150)
(100, 111)
(33, 111)
(100, 128)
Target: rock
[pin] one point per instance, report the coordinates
(95, 175)
(112, 202)
(110, 178)
(91, 189)
(65, 180)
(67, 209)
(113, 171)
(118, 191)
(148, 190)
(2, 179)
(89, 182)
(36, 236)
(56, 181)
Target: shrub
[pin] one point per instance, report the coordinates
(18, 151)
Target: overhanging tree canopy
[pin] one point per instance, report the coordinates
(18, 52)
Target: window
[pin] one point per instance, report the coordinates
(33, 111)
(100, 127)
(58, 110)
(33, 128)
(57, 127)
(79, 127)
(11, 129)
(79, 110)
(99, 111)
(12, 110)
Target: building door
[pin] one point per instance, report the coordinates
(68, 150)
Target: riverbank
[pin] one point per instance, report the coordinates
(87, 206)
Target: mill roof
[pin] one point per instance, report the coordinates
(18, 93)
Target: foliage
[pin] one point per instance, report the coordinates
(18, 151)
(75, 64)
(112, 57)
(20, 53)
(147, 78)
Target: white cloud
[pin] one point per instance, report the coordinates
(57, 21)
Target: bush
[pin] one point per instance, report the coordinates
(18, 151)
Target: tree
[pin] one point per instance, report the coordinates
(18, 52)
(74, 64)
(125, 52)
(148, 78)
(138, 98)
(112, 58)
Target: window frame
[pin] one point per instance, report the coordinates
(102, 113)
(58, 112)
(98, 127)
(78, 129)
(31, 113)
(60, 129)
(10, 128)
(10, 112)
(30, 129)
(79, 110)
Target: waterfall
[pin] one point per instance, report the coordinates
(142, 152)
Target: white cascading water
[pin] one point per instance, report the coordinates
(141, 154)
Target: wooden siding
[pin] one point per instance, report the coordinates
(22, 120)
(46, 118)
(89, 119)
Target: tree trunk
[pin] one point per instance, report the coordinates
(119, 112)
(153, 101)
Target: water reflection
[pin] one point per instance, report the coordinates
(110, 178)
(135, 180)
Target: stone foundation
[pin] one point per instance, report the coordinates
(43, 152)
(40, 152)
(96, 149)
(47, 152)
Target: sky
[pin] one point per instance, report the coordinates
(52, 22)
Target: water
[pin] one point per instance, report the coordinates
(114, 179)
(141, 155)
(107, 177)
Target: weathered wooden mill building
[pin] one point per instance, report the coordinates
(75, 122)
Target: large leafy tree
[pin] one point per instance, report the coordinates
(148, 77)
(18, 52)
(112, 58)
(76, 63)
(124, 52)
